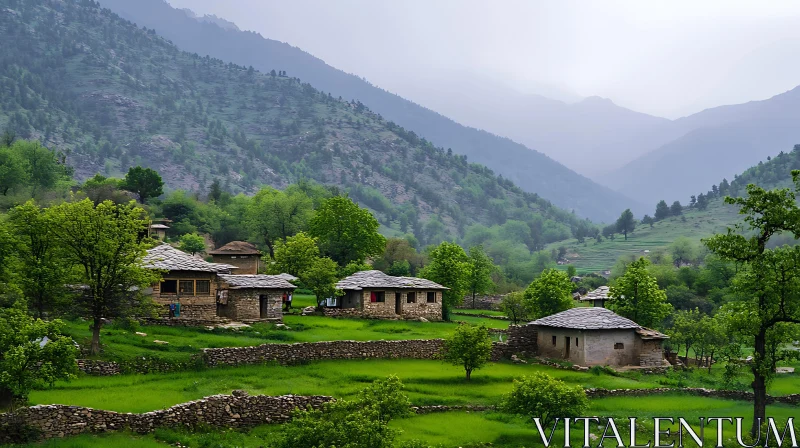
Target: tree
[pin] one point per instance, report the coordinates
(449, 267)
(469, 346)
(636, 295)
(346, 232)
(702, 201)
(626, 223)
(27, 360)
(12, 170)
(273, 215)
(192, 243)
(693, 201)
(513, 305)
(44, 167)
(43, 272)
(676, 209)
(145, 182)
(683, 250)
(542, 396)
(479, 279)
(662, 210)
(215, 191)
(685, 330)
(549, 294)
(103, 243)
(648, 220)
(400, 252)
(320, 277)
(572, 271)
(768, 282)
(609, 231)
(296, 255)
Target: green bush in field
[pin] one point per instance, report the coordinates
(470, 347)
(540, 395)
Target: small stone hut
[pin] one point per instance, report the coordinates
(188, 280)
(598, 336)
(597, 298)
(375, 294)
(241, 254)
(251, 297)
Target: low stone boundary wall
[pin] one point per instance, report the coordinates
(229, 411)
(793, 399)
(182, 321)
(482, 302)
(485, 316)
(467, 407)
(98, 368)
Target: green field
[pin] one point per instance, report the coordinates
(592, 256)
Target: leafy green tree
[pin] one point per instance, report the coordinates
(479, 279)
(26, 360)
(400, 268)
(648, 220)
(273, 215)
(636, 295)
(542, 396)
(43, 272)
(321, 277)
(768, 283)
(192, 243)
(100, 188)
(685, 330)
(215, 191)
(346, 232)
(44, 167)
(103, 243)
(449, 267)
(702, 201)
(683, 250)
(295, 255)
(572, 271)
(469, 346)
(145, 182)
(662, 210)
(549, 294)
(513, 305)
(626, 223)
(398, 250)
(12, 171)
(353, 267)
(676, 209)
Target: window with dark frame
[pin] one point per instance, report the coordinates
(380, 296)
(411, 297)
(576, 342)
(431, 297)
(203, 287)
(169, 287)
(186, 287)
(554, 340)
(619, 346)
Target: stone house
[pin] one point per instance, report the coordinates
(241, 254)
(187, 280)
(597, 298)
(598, 336)
(251, 297)
(158, 231)
(375, 294)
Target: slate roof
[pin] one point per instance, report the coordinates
(168, 258)
(236, 248)
(287, 277)
(255, 282)
(159, 226)
(377, 279)
(583, 318)
(647, 333)
(600, 293)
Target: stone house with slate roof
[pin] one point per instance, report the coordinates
(241, 254)
(598, 336)
(251, 297)
(375, 294)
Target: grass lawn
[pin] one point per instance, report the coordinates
(462, 429)
(427, 382)
(186, 341)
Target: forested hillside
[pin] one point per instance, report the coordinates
(530, 169)
(112, 95)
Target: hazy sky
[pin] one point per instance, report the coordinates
(667, 58)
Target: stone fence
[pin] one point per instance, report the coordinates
(98, 368)
(793, 399)
(482, 302)
(229, 411)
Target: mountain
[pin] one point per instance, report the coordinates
(723, 141)
(531, 170)
(113, 95)
(592, 136)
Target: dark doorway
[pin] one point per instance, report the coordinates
(566, 345)
(398, 308)
(263, 308)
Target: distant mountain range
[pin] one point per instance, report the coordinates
(530, 169)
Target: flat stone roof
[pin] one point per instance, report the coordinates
(377, 279)
(584, 318)
(168, 258)
(256, 281)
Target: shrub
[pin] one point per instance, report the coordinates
(469, 346)
(545, 397)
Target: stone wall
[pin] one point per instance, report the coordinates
(395, 304)
(245, 305)
(193, 305)
(482, 302)
(651, 353)
(228, 411)
(182, 321)
(793, 399)
(98, 368)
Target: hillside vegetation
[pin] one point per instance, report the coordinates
(112, 95)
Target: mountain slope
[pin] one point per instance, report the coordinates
(80, 78)
(531, 170)
(726, 140)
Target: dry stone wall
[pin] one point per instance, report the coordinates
(793, 399)
(98, 368)
(229, 411)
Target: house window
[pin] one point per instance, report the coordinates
(619, 346)
(431, 297)
(576, 342)
(554, 341)
(186, 287)
(169, 287)
(380, 296)
(411, 297)
(203, 287)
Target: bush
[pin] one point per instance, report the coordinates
(542, 396)
(469, 346)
